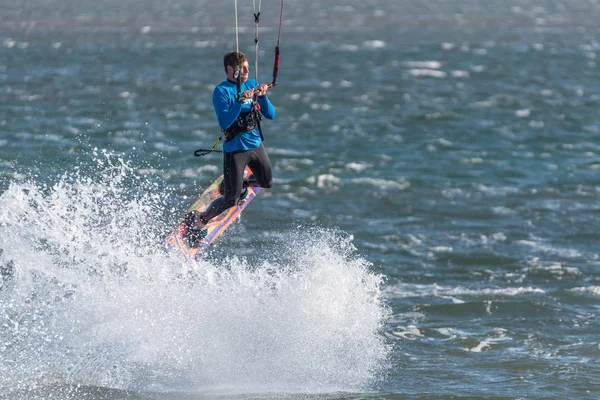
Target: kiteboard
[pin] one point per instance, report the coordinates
(177, 243)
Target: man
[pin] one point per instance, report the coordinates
(239, 118)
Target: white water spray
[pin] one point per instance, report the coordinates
(88, 297)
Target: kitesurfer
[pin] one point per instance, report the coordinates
(240, 103)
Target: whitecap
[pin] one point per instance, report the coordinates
(444, 142)
(358, 167)
(427, 73)
(593, 290)
(349, 47)
(548, 249)
(480, 347)
(375, 44)
(320, 106)
(289, 152)
(451, 333)
(441, 249)
(403, 290)
(324, 180)
(510, 291)
(503, 210)
(410, 332)
(496, 191)
(472, 160)
(202, 44)
(461, 74)
(9, 43)
(423, 64)
(382, 184)
(294, 164)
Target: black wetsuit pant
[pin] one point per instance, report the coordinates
(234, 164)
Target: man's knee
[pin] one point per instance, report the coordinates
(254, 181)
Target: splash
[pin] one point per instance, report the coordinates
(88, 297)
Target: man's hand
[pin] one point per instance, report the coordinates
(246, 94)
(261, 90)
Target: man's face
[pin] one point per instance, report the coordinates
(244, 72)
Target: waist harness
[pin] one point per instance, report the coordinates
(245, 122)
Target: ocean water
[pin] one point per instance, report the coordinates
(432, 232)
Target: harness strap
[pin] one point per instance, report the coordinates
(245, 122)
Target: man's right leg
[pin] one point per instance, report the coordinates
(259, 163)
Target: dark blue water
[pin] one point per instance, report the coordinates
(431, 234)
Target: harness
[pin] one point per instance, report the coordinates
(245, 122)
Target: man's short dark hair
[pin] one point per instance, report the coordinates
(233, 59)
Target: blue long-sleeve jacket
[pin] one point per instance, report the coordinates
(228, 109)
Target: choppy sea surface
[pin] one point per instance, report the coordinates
(432, 232)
